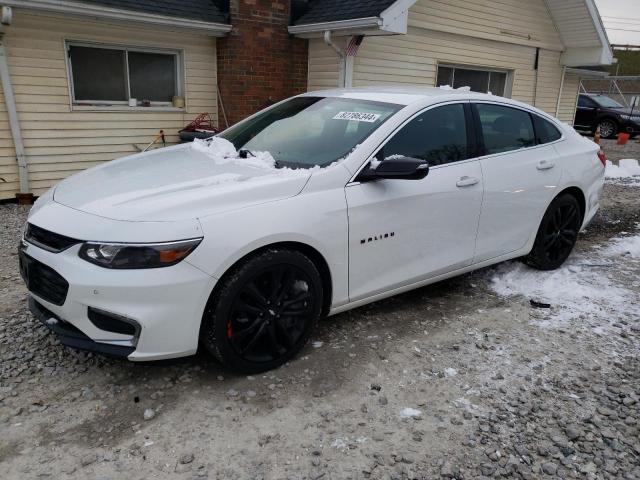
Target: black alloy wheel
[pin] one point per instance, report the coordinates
(265, 311)
(557, 234)
(608, 128)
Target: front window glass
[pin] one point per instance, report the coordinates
(505, 128)
(606, 102)
(438, 136)
(308, 131)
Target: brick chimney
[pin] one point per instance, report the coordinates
(259, 62)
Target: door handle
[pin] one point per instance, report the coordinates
(467, 181)
(545, 165)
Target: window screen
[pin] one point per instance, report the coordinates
(505, 128)
(98, 73)
(546, 132)
(438, 136)
(479, 80)
(104, 75)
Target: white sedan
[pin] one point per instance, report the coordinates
(319, 204)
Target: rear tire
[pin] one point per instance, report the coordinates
(264, 312)
(557, 234)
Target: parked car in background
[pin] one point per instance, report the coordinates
(596, 110)
(319, 204)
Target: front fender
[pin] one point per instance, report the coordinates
(316, 219)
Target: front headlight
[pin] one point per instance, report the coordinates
(137, 255)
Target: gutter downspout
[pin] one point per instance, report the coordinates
(342, 75)
(12, 112)
(564, 73)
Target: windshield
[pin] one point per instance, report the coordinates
(606, 102)
(307, 131)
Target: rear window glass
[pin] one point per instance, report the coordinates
(546, 132)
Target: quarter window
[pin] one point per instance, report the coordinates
(438, 136)
(105, 75)
(504, 128)
(478, 79)
(546, 132)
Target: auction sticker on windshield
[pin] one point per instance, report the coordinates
(357, 116)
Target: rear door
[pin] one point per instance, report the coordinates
(403, 231)
(520, 179)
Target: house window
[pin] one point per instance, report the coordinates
(480, 80)
(110, 75)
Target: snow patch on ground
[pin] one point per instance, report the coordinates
(581, 289)
(629, 246)
(409, 412)
(450, 372)
(627, 170)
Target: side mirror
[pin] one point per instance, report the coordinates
(398, 168)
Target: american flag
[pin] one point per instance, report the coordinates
(354, 45)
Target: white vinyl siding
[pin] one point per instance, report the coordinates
(511, 21)
(501, 35)
(324, 65)
(569, 98)
(60, 141)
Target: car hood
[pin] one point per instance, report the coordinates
(622, 110)
(176, 183)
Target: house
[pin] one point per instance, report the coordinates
(86, 81)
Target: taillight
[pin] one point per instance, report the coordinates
(603, 158)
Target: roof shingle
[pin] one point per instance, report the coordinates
(320, 11)
(204, 10)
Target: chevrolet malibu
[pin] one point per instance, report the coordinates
(319, 204)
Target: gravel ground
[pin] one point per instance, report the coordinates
(462, 379)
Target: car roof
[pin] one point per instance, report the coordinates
(406, 95)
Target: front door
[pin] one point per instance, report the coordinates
(404, 231)
(586, 112)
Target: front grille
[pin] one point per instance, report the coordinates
(53, 242)
(43, 281)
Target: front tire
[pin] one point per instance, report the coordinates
(264, 312)
(608, 128)
(557, 234)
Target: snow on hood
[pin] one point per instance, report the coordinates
(184, 181)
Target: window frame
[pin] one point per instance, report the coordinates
(481, 149)
(116, 105)
(508, 84)
(472, 137)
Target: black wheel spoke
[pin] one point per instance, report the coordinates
(245, 332)
(276, 348)
(289, 340)
(258, 334)
(297, 299)
(254, 294)
(242, 306)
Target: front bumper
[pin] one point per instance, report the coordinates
(164, 304)
(630, 126)
(73, 337)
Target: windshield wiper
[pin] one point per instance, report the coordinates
(243, 153)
